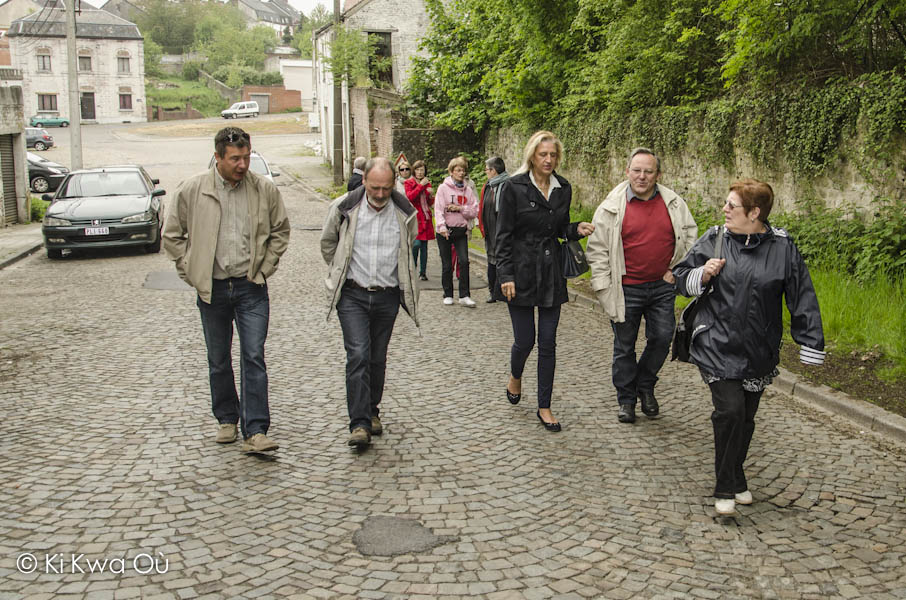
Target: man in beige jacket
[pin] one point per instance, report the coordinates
(226, 230)
(641, 230)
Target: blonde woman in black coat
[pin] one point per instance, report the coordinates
(534, 215)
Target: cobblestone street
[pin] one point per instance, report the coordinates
(107, 452)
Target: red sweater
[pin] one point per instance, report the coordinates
(648, 240)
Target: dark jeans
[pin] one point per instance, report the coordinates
(654, 301)
(523, 318)
(367, 320)
(420, 249)
(492, 278)
(459, 239)
(734, 423)
(246, 303)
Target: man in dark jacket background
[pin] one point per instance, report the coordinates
(355, 180)
(489, 206)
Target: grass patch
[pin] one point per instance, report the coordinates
(179, 91)
(863, 319)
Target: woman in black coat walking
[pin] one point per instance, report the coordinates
(534, 213)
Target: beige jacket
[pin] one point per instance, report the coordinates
(193, 222)
(604, 251)
(338, 236)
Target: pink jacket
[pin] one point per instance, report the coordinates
(448, 194)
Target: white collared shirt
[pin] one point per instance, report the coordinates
(375, 250)
(555, 183)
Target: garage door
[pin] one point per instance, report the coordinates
(263, 101)
(8, 170)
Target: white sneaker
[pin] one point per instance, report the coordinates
(448, 301)
(725, 506)
(467, 302)
(744, 497)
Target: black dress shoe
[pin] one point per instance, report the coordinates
(513, 398)
(423, 277)
(649, 404)
(491, 300)
(548, 426)
(627, 413)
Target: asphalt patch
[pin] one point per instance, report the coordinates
(392, 536)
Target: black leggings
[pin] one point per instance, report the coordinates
(523, 318)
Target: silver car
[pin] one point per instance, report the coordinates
(257, 165)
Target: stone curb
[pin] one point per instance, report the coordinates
(27, 252)
(863, 414)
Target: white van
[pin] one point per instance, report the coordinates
(241, 109)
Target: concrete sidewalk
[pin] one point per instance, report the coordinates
(18, 241)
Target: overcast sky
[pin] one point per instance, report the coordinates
(306, 6)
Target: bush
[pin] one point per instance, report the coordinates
(203, 99)
(190, 70)
(237, 76)
(38, 208)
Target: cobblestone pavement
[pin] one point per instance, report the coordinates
(107, 453)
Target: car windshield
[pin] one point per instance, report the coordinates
(257, 165)
(125, 183)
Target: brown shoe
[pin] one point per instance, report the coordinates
(360, 438)
(226, 433)
(376, 427)
(259, 443)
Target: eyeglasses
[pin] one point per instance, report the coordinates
(404, 169)
(235, 136)
(732, 205)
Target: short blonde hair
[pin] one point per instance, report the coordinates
(459, 161)
(536, 140)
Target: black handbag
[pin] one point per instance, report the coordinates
(682, 337)
(573, 259)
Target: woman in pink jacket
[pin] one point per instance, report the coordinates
(418, 190)
(454, 208)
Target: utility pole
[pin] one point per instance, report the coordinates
(337, 106)
(75, 106)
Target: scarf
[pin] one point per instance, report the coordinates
(495, 183)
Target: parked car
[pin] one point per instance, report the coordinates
(44, 175)
(108, 206)
(241, 109)
(257, 165)
(48, 121)
(37, 138)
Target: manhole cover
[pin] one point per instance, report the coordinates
(390, 536)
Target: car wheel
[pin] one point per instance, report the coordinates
(254, 114)
(40, 184)
(39, 124)
(54, 253)
(155, 247)
(64, 124)
(40, 146)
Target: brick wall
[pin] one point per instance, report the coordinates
(280, 97)
(156, 113)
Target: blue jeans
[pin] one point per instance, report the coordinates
(523, 319)
(420, 250)
(246, 303)
(653, 300)
(367, 320)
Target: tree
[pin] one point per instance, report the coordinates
(351, 56)
(318, 18)
(153, 54)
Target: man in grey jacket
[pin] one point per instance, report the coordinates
(226, 230)
(366, 240)
(642, 229)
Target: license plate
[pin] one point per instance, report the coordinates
(97, 231)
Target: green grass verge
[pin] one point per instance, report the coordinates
(203, 99)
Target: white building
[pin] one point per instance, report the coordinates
(297, 75)
(111, 66)
(400, 25)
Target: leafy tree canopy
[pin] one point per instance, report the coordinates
(531, 61)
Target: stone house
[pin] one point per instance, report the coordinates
(111, 66)
(276, 14)
(399, 25)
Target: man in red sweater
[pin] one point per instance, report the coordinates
(642, 229)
